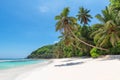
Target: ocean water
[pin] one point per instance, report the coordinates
(12, 63)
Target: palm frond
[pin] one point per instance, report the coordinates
(59, 26)
(100, 18)
(105, 41)
(112, 39)
(65, 12)
(58, 17)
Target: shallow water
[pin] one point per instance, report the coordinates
(12, 63)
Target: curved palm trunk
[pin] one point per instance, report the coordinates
(86, 42)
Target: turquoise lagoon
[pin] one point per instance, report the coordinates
(12, 63)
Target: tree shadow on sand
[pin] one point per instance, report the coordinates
(69, 64)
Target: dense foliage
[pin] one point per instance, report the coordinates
(43, 52)
(78, 38)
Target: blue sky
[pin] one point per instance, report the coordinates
(26, 25)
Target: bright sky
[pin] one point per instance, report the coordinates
(26, 25)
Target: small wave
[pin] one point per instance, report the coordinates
(6, 60)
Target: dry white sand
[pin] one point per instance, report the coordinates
(76, 69)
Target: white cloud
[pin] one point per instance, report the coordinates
(44, 9)
(51, 6)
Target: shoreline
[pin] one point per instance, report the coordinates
(11, 74)
(104, 68)
(76, 69)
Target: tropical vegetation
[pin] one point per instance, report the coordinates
(78, 38)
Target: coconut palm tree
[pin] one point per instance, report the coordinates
(84, 16)
(62, 25)
(109, 32)
(64, 20)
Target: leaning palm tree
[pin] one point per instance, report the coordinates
(62, 25)
(84, 16)
(63, 20)
(67, 24)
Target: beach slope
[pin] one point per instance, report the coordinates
(76, 69)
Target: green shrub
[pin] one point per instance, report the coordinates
(94, 53)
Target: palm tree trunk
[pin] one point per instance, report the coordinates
(86, 42)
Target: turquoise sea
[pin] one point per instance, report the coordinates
(12, 63)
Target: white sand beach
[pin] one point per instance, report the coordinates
(11, 74)
(76, 69)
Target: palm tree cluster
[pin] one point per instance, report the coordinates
(79, 39)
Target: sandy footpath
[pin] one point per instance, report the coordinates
(76, 69)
